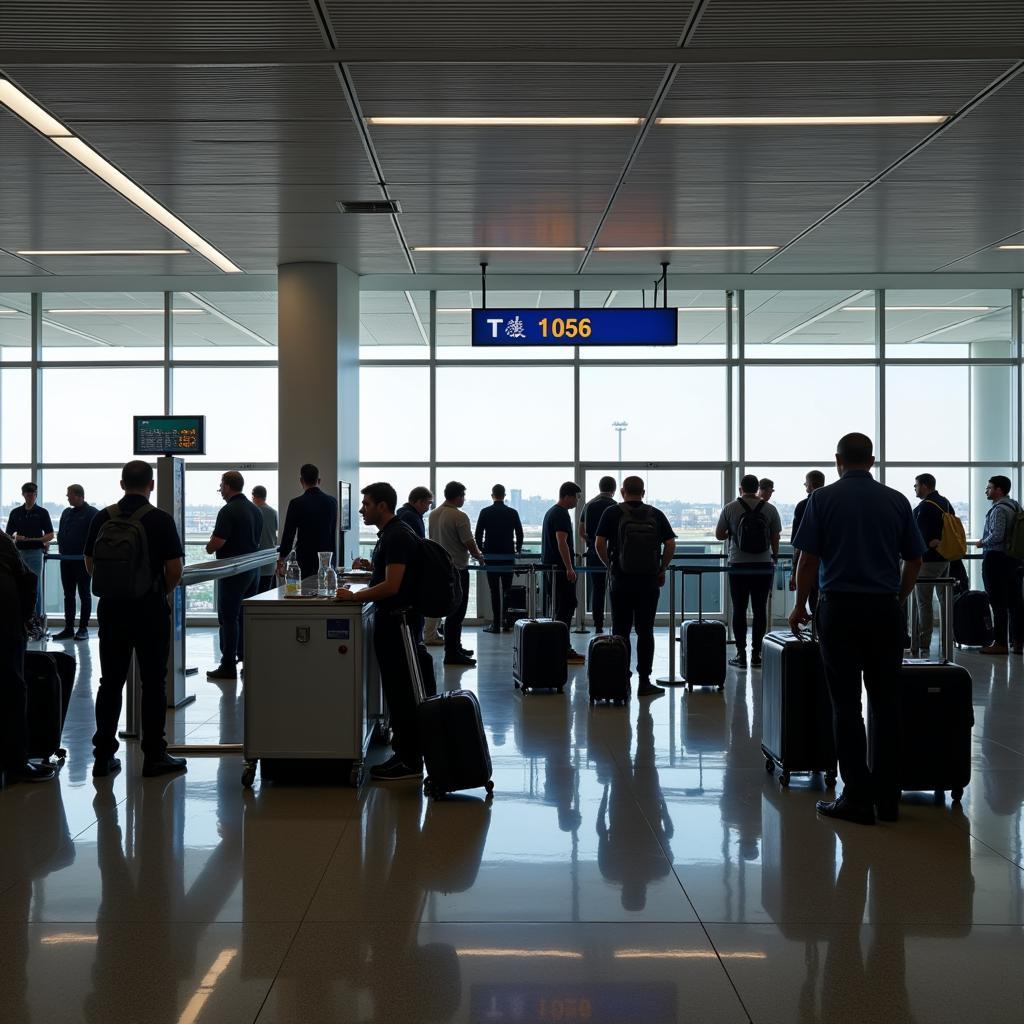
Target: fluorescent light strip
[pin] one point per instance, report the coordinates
(686, 248)
(702, 309)
(498, 248)
(103, 252)
(9, 312)
(125, 312)
(808, 119)
(920, 309)
(1011, 247)
(28, 110)
(485, 122)
(456, 309)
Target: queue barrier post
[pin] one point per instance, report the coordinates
(672, 679)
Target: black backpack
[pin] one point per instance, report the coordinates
(120, 556)
(438, 588)
(638, 547)
(753, 537)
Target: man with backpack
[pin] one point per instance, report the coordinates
(590, 520)
(1001, 567)
(133, 554)
(753, 528)
(636, 542)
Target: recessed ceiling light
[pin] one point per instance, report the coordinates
(126, 312)
(484, 122)
(8, 312)
(103, 252)
(702, 309)
(1011, 247)
(455, 309)
(498, 248)
(686, 248)
(808, 119)
(919, 309)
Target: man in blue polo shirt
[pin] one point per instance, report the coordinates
(853, 537)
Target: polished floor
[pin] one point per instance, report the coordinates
(636, 865)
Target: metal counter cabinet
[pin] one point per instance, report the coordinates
(312, 687)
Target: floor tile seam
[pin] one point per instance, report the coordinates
(95, 821)
(988, 846)
(327, 866)
(277, 972)
(863, 922)
(554, 922)
(725, 971)
(1003, 746)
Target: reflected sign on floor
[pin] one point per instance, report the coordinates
(529, 327)
(574, 1004)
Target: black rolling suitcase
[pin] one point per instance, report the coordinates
(702, 647)
(796, 711)
(539, 654)
(608, 669)
(972, 620)
(49, 678)
(451, 729)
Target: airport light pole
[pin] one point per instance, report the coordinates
(620, 426)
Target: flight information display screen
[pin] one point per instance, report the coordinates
(170, 435)
(530, 327)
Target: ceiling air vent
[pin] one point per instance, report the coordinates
(371, 206)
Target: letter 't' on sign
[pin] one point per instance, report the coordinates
(495, 324)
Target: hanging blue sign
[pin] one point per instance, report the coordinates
(520, 328)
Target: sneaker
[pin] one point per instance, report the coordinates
(164, 765)
(396, 772)
(575, 658)
(104, 766)
(844, 810)
(755, 661)
(389, 762)
(222, 672)
(491, 629)
(29, 772)
(459, 659)
(648, 689)
(996, 649)
(740, 661)
(599, 629)
(67, 633)
(82, 633)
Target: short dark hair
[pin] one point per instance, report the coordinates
(1002, 482)
(498, 491)
(420, 494)
(136, 474)
(927, 479)
(233, 479)
(855, 449)
(748, 485)
(453, 489)
(633, 485)
(381, 493)
(259, 491)
(607, 483)
(816, 477)
(76, 489)
(309, 474)
(569, 489)
(29, 485)
(766, 484)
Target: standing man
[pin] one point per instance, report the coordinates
(499, 535)
(557, 554)
(1000, 571)
(765, 488)
(753, 528)
(31, 529)
(236, 532)
(928, 516)
(449, 527)
(814, 479)
(636, 542)
(590, 519)
(413, 511)
(853, 535)
(310, 524)
(268, 536)
(75, 521)
(390, 591)
(131, 623)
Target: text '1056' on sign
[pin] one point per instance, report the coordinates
(529, 327)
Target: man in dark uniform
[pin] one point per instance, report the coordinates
(142, 625)
(394, 564)
(557, 556)
(590, 519)
(413, 511)
(74, 528)
(814, 479)
(237, 532)
(499, 535)
(853, 537)
(30, 527)
(310, 524)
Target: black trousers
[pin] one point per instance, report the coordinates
(266, 583)
(750, 586)
(861, 636)
(634, 601)
(75, 579)
(13, 701)
(143, 627)
(597, 585)
(397, 683)
(231, 592)
(560, 596)
(453, 621)
(499, 584)
(1002, 577)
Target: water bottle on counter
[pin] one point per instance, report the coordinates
(292, 576)
(326, 574)
(331, 588)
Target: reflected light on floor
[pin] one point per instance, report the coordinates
(525, 954)
(195, 1005)
(68, 939)
(684, 954)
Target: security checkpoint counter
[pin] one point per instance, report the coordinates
(312, 687)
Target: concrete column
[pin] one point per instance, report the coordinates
(318, 374)
(992, 425)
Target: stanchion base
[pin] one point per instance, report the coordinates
(184, 702)
(126, 735)
(581, 629)
(194, 670)
(671, 681)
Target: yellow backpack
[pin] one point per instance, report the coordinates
(953, 542)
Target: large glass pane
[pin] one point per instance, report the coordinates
(453, 323)
(809, 325)
(394, 325)
(15, 327)
(103, 326)
(240, 406)
(958, 323)
(225, 325)
(928, 413)
(402, 478)
(653, 412)
(15, 415)
(87, 412)
(800, 412)
(394, 413)
(504, 414)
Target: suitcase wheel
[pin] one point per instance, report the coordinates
(956, 794)
(489, 786)
(249, 774)
(561, 689)
(784, 779)
(769, 766)
(831, 779)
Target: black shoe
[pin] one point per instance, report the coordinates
(887, 811)
(67, 633)
(599, 629)
(740, 661)
(396, 772)
(222, 672)
(466, 652)
(459, 659)
(164, 765)
(104, 766)
(491, 629)
(755, 661)
(841, 808)
(29, 772)
(82, 633)
(648, 689)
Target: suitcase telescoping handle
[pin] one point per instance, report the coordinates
(412, 658)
